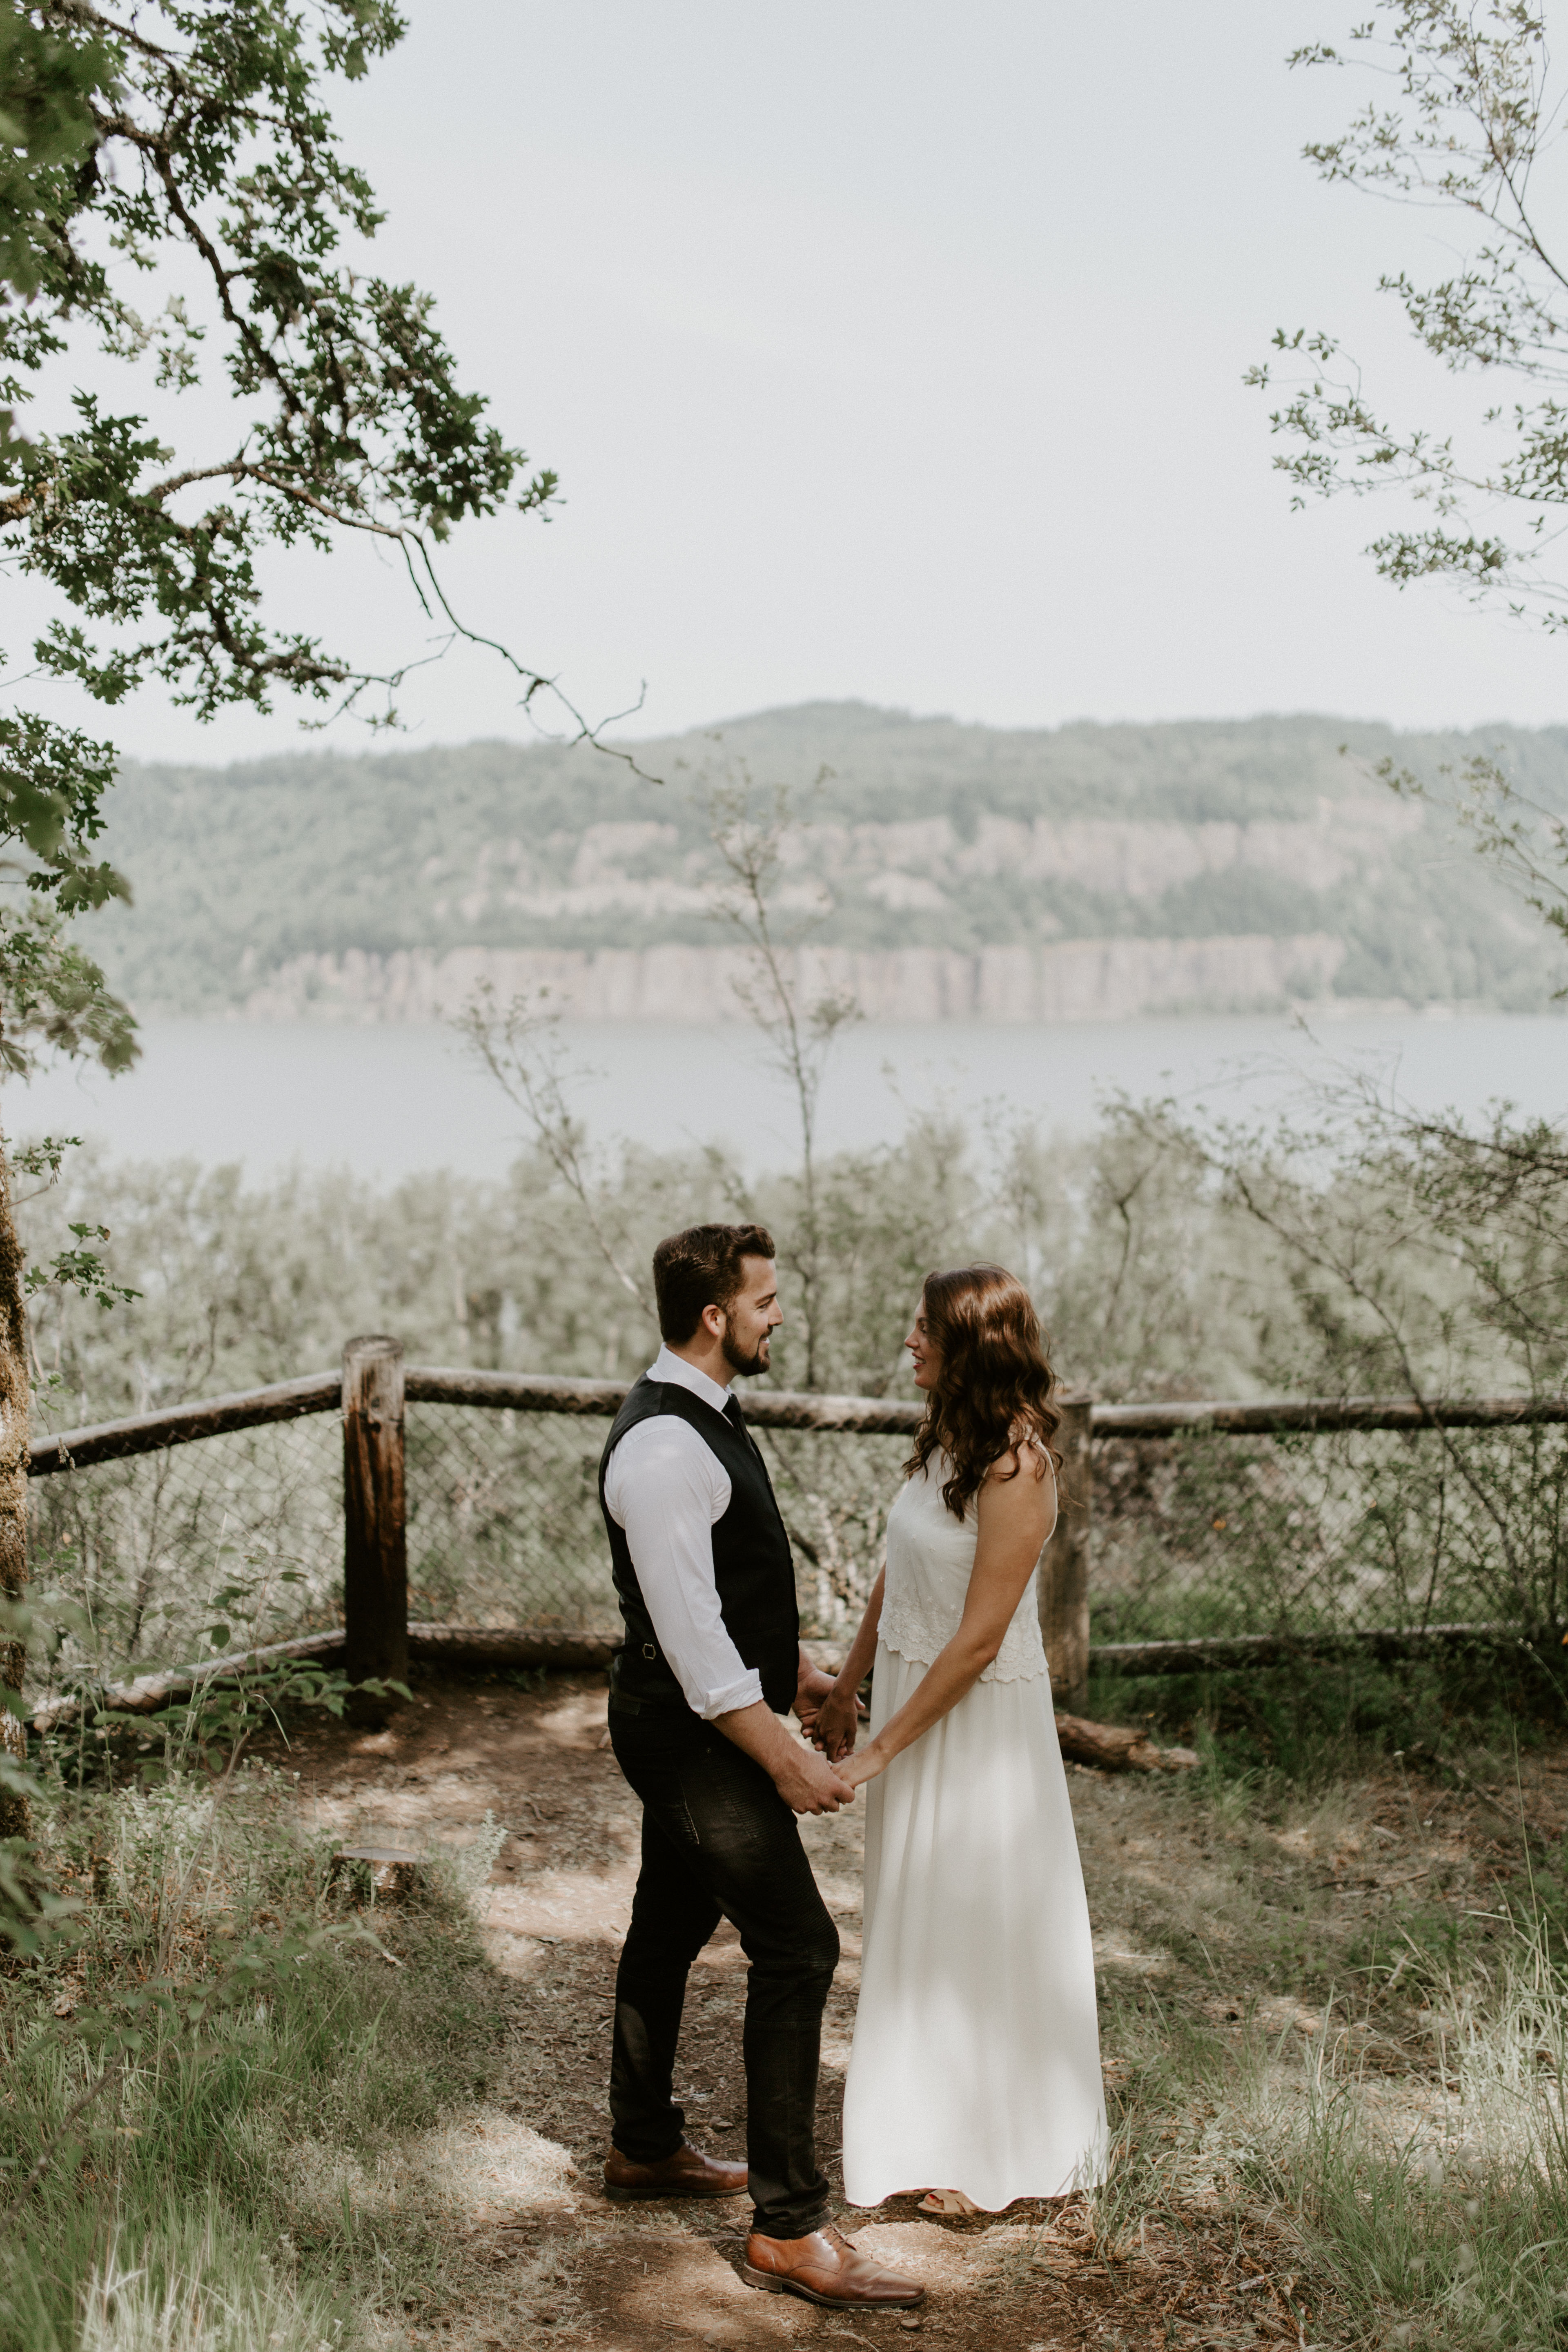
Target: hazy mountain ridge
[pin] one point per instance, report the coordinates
(324, 882)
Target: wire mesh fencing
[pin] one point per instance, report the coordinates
(1329, 1532)
(503, 1519)
(192, 1551)
(168, 1556)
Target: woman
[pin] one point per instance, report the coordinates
(976, 2066)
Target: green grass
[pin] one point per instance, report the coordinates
(225, 2190)
(1367, 2099)
(1318, 1722)
(1451, 2233)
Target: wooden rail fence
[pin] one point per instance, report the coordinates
(375, 1384)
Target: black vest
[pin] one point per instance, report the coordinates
(752, 1564)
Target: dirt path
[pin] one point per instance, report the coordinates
(524, 2171)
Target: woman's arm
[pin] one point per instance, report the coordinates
(834, 1729)
(1016, 1516)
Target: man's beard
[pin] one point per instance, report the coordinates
(757, 1362)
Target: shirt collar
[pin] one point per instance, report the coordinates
(668, 1366)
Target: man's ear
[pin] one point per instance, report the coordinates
(714, 1320)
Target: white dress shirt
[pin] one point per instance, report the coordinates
(669, 1489)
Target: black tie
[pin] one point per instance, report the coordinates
(737, 1421)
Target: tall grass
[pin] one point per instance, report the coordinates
(225, 2187)
(1383, 2128)
(1453, 2232)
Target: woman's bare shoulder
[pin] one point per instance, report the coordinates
(1026, 1458)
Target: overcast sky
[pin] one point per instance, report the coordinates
(893, 349)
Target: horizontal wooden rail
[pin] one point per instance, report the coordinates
(898, 1417)
(1262, 1416)
(765, 1408)
(1225, 1653)
(512, 1392)
(182, 1424)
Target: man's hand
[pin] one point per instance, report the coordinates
(809, 1785)
(806, 1784)
(810, 1691)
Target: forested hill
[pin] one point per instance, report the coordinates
(334, 882)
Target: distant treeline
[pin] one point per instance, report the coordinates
(913, 832)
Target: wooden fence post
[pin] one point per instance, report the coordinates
(1063, 1586)
(375, 1552)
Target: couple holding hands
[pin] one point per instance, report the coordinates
(975, 2067)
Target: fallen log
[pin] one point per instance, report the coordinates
(471, 1648)
(1113, 1747)
(148, 1693)
(1225, 1653)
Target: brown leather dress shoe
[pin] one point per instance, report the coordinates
(825, 2268)
(687, 2173)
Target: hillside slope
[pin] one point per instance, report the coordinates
(965, 870)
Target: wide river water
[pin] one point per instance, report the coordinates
(389, 1102)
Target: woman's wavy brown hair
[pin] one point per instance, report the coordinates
(994, 1387)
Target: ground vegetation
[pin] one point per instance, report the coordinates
(1331, 2007)
(229, 2078)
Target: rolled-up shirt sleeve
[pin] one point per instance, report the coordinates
(666, 1489)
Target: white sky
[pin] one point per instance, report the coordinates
(893, 349)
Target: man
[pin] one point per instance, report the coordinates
(711, 1661)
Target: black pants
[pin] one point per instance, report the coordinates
(719, 1841)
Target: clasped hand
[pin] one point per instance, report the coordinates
(829, 1716)
(832, 1728)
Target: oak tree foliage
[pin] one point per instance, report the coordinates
(175, 208)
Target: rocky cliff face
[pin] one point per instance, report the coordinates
(1072, 980)
(939, 871)
(646, 872)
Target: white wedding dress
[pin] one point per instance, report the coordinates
(976, 2057)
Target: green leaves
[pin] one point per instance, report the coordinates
(53, 73)
(51, 993)
(52, 783)
(81, 1270)
(348, 416)
(1472, 116)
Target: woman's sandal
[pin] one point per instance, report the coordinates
(950, 2202)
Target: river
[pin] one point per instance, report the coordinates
(387, 1102)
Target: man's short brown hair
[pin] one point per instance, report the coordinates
(703, 1266)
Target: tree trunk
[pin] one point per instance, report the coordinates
(1063, 1589)
(15, 1394)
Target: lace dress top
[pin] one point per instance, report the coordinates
(931, 1556)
